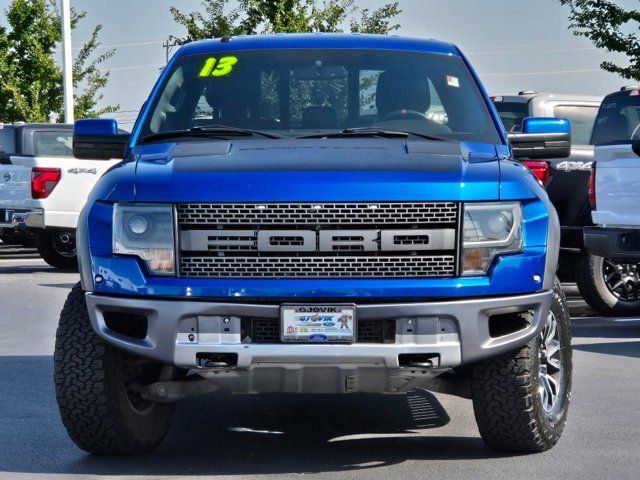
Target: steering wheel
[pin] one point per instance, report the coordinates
(635, 131)
(402, 114)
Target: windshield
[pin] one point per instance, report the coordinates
(581, 118)
(618, 121)
(301, 92)
(53, 144)
(512, 114)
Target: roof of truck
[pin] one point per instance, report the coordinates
(56, 126)
(628, 91)
(525, 97)
(318, 40)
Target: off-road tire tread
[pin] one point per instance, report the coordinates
(505, 398)
(88, 406)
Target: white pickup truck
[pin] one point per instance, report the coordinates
(614, 190)
(43, 188)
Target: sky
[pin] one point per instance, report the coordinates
(513, 44)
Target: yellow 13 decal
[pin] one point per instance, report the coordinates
(218, 68)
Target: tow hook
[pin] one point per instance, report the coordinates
(172, 391)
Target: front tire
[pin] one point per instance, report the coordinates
(58, 249)
(98, 408)
(520, 399)
(608, 287)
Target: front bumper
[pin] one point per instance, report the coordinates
(453, 332)
(20, 219)
(616, 243)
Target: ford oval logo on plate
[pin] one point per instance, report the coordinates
(318, 338)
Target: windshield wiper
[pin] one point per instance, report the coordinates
(209, 131)
(235, 130)
(373, 132)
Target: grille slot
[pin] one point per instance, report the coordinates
(372, 331)
(202, 214)
(318, 267)
(407, 240)
(264, 330)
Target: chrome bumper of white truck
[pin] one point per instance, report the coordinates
(21, 219)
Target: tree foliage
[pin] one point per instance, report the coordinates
(609, 26)
(30, 78)
(283, 16)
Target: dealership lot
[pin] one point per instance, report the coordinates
(419, 436)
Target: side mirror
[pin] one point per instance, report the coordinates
(542, 138)
(98, 139)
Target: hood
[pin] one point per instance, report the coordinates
(315, 170)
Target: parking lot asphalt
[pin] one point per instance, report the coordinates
(419, 435)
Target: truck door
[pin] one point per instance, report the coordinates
(15, 180)
(617, 156)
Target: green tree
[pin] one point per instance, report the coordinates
(30, 79)
(609, 26)
(286, 16)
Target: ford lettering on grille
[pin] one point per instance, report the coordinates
(321, 241)
(318, 240)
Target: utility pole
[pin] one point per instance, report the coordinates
(168, 45)
(67, 59)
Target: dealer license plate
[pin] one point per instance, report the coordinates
(318, 323)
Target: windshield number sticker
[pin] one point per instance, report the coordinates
(218, 68)
(453, 81)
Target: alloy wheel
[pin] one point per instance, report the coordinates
(550, 354)
(622, 279)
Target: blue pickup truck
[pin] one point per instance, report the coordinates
(318, 213)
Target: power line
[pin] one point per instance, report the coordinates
(139, 44)
(133, 67)
(528, 46)
(516, 52)
(127, 111)
(130, 39)
(556, 72)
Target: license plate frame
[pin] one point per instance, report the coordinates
(333, 330)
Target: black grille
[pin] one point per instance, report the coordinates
(318, 267)
(264, 331)
(219, 253)
(249, 214)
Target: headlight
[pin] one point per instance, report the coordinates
(146, 231)
(490, 229)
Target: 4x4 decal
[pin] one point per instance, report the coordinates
(573, 166)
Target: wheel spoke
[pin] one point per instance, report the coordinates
(555, 365)
(543, 394)
(617, 285)
(553, 347)
(550, 334)
(611, 264)
(553, 385)
(548, 394)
